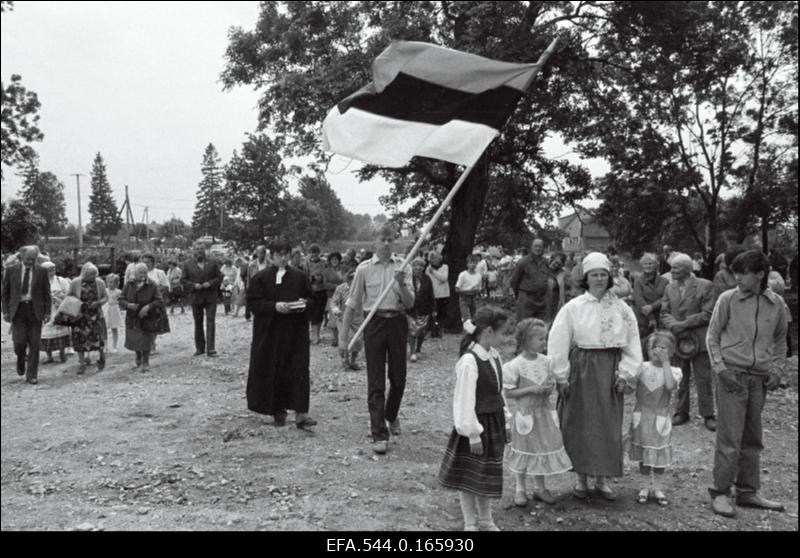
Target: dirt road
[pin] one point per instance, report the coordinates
(176, 449)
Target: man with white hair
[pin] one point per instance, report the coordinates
(26, 304)
(685, 311)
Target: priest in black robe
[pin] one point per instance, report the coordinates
(278, 378)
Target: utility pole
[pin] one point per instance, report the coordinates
(80, 223)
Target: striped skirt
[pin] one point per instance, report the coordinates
(481, 475)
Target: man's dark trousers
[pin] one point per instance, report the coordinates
(203, 341)
(385, 337)
(26, 332)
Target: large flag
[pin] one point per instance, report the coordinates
(426, 100)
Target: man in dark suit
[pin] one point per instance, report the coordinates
(201, 280)
(686, 310)
(26, 304)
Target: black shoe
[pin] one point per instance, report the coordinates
(101, 364)
(20, 371)
(306, 424)
(711, 424)
(280, 420)
(32, 381)
(679, 419)
(212, 353)
(199, 353)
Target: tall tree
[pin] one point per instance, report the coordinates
(210, 197)
(335, 222)
(307, 56)
(256, 183)
(105, 219)
(686, 74)
(19, 225)
(19, 117)
(43, 193)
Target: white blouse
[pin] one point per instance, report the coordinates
(589, 323)
(464, 416)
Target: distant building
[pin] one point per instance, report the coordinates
(582, 233)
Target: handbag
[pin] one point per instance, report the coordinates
(151, 323)
(70, 306)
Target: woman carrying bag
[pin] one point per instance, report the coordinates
(144, 309)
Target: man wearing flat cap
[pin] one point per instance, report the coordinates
(685, 311)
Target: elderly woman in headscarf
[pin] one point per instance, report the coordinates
(141, 299)
(595, 348)
(89, 329)
(55, 337)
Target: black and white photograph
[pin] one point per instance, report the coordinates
(397, 274)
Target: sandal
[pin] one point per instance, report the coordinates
(643, 496)
(581, 491)
(520, 499)
(660, 498)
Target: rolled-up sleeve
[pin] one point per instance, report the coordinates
(356, 297)
(464, 417)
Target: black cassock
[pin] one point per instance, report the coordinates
(278, 378)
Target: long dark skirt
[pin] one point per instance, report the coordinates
(591, 415)
(479, 474)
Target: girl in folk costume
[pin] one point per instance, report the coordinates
(473, 460)
(113, 314)
(537, 448)
(594, 344)
(651, 423)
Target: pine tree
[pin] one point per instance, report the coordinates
(44, 195)
(209, 196)
(105, 218)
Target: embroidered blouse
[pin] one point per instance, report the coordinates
(589, 323)
(464, 416)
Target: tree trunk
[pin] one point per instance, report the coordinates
(465, 214)
(712, 229)
(764, 234)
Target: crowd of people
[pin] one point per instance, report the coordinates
(583, 327)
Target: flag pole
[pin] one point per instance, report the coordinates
(445, 204)
(422, 237)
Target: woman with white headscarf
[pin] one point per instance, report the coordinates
(89, 330)
(55, 337)
(595, 348)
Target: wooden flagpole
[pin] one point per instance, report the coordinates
(445, 204)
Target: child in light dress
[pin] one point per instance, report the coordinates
(473, 461)
(650, 438)
(238, 297)
(227, 294)
(337, 301)
(113, 315)
(537, 447)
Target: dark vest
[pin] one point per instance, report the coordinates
(488, 398)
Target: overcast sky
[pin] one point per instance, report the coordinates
(139, 82)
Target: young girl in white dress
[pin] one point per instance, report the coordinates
(537, 448)
(651, 423)
(113, 315)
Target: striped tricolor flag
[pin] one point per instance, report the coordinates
(428, 101)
